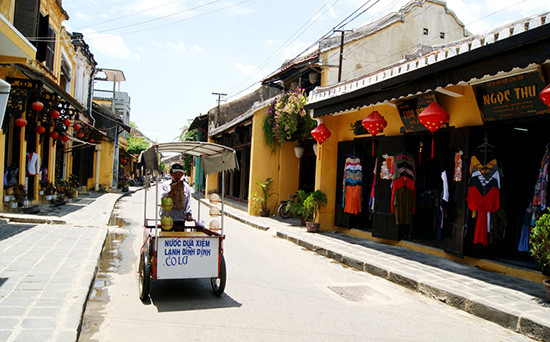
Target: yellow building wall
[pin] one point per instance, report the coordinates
(264, 163)
(211, 184)
(289, 171)
(106, 163)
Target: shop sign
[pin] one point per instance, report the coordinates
(511, 97)
(409, 110)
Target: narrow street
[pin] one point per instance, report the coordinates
(275, 291)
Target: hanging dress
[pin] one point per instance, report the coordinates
(353, 175)
(483, 197)
(403, 198)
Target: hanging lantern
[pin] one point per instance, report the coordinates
(79, 135)
(433, 117)
(40, 129)
(64, 138)
(54, 135)
(67, 122)
(92, 140)
(21, 122)
(54, 114)
(76, 127)
(37, 105)
(545, 95)
(320, 133)
(374, 123)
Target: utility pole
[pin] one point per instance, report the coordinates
(219, 95)
(341, 58)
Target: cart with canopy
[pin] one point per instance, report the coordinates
(184, 250)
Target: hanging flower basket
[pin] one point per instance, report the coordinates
(287, 120)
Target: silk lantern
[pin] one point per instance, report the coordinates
(374, 123)
(320, 133)
(67, 122)
(40, 129)
(37, 105)
(64, 138)
(21, 122)
(76, 127)
(545, 95)
(54, 114)
(433, 117)
(54, 135)
(92, 140)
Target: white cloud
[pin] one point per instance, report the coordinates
(111, 45)
(176, 46)
(246, 69)
(197, 48)
(271, 42)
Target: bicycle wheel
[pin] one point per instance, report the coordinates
(284, 212)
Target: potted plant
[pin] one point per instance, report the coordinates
(73, 184)
(296, 207)
(20, 194)
(540, 246)
(312, 205)
(261, 199)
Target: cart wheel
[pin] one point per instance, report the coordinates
(144, 276)
(218, 284)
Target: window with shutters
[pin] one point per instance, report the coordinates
(45, 47)
(26, 18)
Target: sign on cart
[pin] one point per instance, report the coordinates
(179, 258)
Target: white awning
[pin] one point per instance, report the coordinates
(215, 158)
(14, 47)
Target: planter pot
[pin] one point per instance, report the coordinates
(41, 192)
(48, 197)
(73, 194)
(312, 227)
(264, 213)
(7, 198)
(25, 203)
(13, 205)
(547, 286)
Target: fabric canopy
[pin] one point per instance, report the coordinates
(215, 158)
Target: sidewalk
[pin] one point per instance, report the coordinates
(514, 303)
(47, 266)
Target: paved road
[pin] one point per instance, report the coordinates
(275, 291)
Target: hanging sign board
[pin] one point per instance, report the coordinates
(410, 108)
(511, 97)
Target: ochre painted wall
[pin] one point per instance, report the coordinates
(106, 163)
(264, 163)
(211, 180)
(289, 171)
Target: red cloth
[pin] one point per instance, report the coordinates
(353, 199)
(483, 204)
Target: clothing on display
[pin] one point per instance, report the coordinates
(538, 203)
(458, 166)
(403, 198)
(483, 196)
(33, 164)
(352, 185)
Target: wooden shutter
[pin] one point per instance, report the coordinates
(26, 17)
(42, 44)
(453, 241)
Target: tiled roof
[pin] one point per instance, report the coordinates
(441, 53)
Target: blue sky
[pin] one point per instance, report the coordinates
(175, 53)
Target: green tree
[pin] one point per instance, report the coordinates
(136, 144)
(187, 135)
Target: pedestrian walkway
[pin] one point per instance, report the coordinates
(47, 266)
(514, 303)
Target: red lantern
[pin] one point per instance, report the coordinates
(545, 95)
(21, 122)
(79, 135)
(54, 135)
(64, 138)
(67, 122)
(374, 123)
(92, 140)
(433, 117)
(320, 133)
(40, 129)
(37, 105)
(76, 127)
(54, 114)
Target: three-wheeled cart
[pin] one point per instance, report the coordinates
(189, 249)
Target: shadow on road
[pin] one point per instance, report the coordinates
(186, 295)
(11, 229)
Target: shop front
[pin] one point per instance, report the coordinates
(468, 186)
